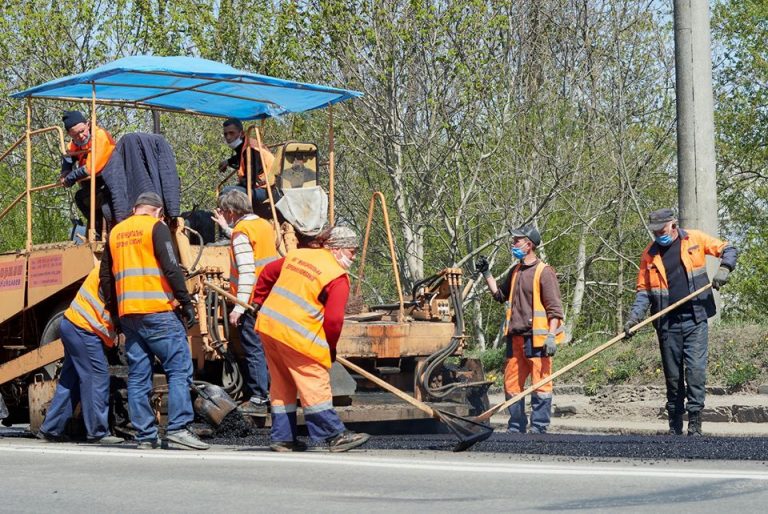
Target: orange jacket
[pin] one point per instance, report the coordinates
(652, 285)
(293, 313)
(140, 283)
(261, 234)
(266, 157)
(540, 322)
(105, 145)
(87, 310)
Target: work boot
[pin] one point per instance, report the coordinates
(255, 407)
(185, 440)
(694, 424)
(347, 440)
(675, 425)
(288, 446)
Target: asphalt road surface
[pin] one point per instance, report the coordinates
(66, 477)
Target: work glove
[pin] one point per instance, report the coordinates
(631, 322)
(721, 277)
(188, 315)
(550, 346)
(483, 267)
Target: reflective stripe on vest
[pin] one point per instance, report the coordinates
(141, 286)
(540, 322)
(261, 236)
(88, 312)
(292, 313)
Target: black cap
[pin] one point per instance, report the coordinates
(233, 121)
(72, 118)
(657, 219)
(149, 198)
(528, 231)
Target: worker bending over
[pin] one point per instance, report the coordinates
(85, 374)
(80, 158)
(252, 248)
(139, 274)
(673, 266)
(533, 327)
(301, 300)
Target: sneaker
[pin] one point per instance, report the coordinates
(288, 446)
(149, 444)
(255, 407)
(45, 436)
(537, 430)
(185, 440)
(347, 440)
(107, 439)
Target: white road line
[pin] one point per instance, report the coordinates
(361, 460)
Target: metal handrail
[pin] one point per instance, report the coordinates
(361, 270)
(22, 195)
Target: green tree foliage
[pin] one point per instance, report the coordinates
(741, 32)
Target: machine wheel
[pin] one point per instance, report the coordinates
(51, 332)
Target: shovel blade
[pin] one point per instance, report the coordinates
(213, 403)
(468, 431)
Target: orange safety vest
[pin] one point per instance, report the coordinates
(694, 248)
(105, 145)
(267, 159)
(140, 283)
(292, 313)
(87, 310)
(261, 235)
(540, 322)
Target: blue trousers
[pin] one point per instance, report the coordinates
(163, 336)
(85, 379)
(684, 347)
(257, 376)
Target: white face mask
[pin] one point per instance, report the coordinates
(84, 143)
(344, 261)
(237, 142)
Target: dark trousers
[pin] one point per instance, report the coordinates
(83, 202)
(257, 376)
(84, 379)
(683, 345)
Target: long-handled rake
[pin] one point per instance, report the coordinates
(519, 396)
(467, 430)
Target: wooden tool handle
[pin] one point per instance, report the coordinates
(493, 410)
(387, 386)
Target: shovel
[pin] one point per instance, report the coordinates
(468, 431)
(519, 396)
(212, 402)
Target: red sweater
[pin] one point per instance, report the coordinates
(333, 296)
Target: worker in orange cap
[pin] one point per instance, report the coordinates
(301, 300)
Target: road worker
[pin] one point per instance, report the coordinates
(252, 248)
(234, 136)
(140, 274)
(533, 327)
(84, 378)
(673, 266)
(80, 158)
(301, 300)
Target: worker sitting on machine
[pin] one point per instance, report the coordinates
(244, 149)
(79, 161)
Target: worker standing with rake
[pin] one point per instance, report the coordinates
(533, 327)
(301, 300)
(673, 266)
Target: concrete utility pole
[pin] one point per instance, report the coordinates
(697, 183)
(697, 189)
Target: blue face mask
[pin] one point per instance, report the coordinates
(664, 240)
(518, 253)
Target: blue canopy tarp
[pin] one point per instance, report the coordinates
(189, 84)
